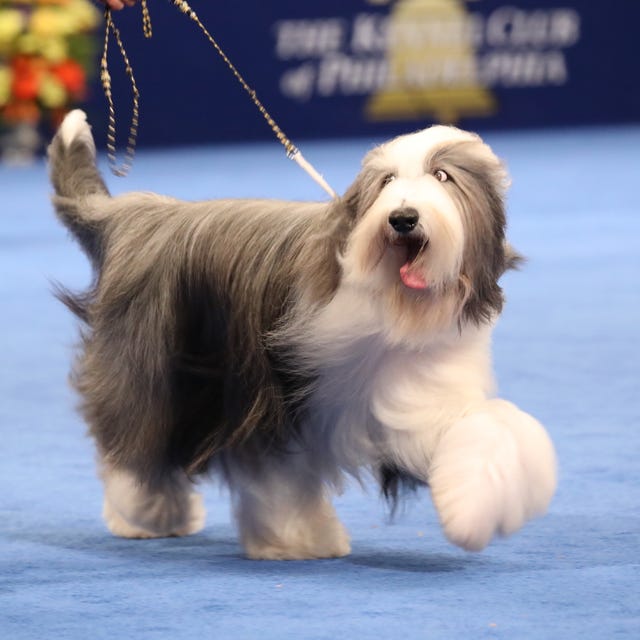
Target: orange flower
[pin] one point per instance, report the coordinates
(71, 75)
(21, 111)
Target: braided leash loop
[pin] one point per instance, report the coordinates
(105, 78)
(146, 20)
(292, 151)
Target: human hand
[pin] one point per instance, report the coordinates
(118, 4)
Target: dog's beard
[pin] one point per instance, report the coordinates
(411, 302)
(403, 256)
(414, 278)
(424, 261)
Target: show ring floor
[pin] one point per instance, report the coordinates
(567, 349)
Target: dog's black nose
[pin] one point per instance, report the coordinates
(404, 220)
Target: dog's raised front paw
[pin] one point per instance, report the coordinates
(492, 471)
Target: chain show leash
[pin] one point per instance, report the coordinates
(121, 170)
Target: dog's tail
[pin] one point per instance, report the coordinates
(77, 183)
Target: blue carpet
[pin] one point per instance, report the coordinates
(567, 350)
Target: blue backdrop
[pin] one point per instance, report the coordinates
(377, 67)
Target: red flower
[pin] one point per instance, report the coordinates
(71, 75)
(27, 74)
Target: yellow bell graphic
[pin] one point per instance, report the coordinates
(432, 69)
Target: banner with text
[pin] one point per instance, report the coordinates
(376, 67)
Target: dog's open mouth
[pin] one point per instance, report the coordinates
(410, 271)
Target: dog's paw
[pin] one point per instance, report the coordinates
(290, 534)
(331, 544)
(195, 518)
(132, 510)
(192, 521)
(492, 471)
(120, 527)
(75, 127)
(536, 453)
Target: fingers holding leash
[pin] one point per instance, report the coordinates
(118, 4)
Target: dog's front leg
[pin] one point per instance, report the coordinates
(283, 510)
(492, 470)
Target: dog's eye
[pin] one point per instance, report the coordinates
(390, 177)
(440, 175)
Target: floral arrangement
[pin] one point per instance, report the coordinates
(47, 52)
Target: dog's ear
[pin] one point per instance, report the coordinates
(481, 181)
(357, 198)
(365, 188)
(351, 197)
(512, 259)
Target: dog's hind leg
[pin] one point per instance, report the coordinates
(284, 512)
(136, 509)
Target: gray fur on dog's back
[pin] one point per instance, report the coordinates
(176, 366)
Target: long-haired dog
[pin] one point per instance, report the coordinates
(286, 345)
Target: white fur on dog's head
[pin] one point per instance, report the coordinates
(446, 269)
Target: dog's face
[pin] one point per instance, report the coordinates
(429, 227)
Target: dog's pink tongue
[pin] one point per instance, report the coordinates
(412, 279)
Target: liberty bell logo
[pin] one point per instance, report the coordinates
(432, 68)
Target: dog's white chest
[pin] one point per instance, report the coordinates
(369, 390)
